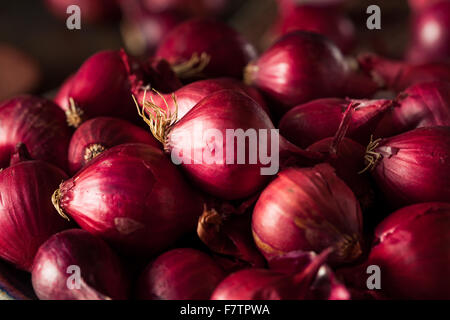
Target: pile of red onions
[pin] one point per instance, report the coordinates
(412, 167)
(206, 48)
(39, 124)
(299, 67)
(97, 135)
(75, 265)
(308, 209)
(133, 197)
(180, 274)
(27, 216)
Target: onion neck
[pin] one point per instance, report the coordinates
(56, 200)
(192, 67)
(93, 151)
(74, 114)
(250, 73)
(372, 157)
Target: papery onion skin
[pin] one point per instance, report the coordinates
(102, 276)
(93, 11)
(422, 105)
(299, 67)
(133, 197)
(39, 124)
(99, 134)
(319, 119)
(180, 274)
(430, 34)
(413, 167)
(27, 216)
(228, 51)
(308, 209)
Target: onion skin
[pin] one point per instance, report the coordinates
(412, 167)
(422, 105)
(27, 216)
(102, 274)
(99, 134)
(180, 274)
(430, 34)
(308, 209)
(229, 52)
(299, 67)
(319, 119)
(93, 11)
(398, 75)
(133, 197)
(39, 124)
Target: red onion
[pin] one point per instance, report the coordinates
(27, 217)
(206, 48)
(300, 67)
(92, 11)
(133, 197)
(398, 75)
(412, 167)
(308, 209)
(419, 5)
(422, 105)
(180, 274)
(73, 253)
(331, 23)
(430, 34)
(411, 248)
(97, 135)
(39, 124)
(214, 165)
(319, 119)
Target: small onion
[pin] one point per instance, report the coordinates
(133, 197)
(180, 274)
(75, 265)
(97, 135)
(39, 124)
(308, 209)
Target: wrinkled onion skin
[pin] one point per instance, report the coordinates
(133, 197)
(307, 209)
(228, 50)
(412, 249)
(415, 166)
(39, 124)
(180, 274)
(102, 274)
(27, 216)
(107, 132)
(300, 67)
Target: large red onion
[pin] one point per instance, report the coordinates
(422, 105)
(198, 142)
(300, 67)
(97, 135)
(398, 75)
(27, 216)
(73, 253)
(308, 209)
(133, 197)
(180, 274)
(430, 34)
(412, 167)
(92, 11)
(206, 48)
(319, 119)
(39, 124)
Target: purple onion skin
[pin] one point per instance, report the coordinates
(424, 105)
(414, 167)
(39, 124)
(300, 67)
(430, 34)
(180, 274)
(102, 276)
(228, 50)
(411, 247)
(308, 209)
(27, 216)
(133, 197)
(104, 133)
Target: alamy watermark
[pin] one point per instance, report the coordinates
(73, 22)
